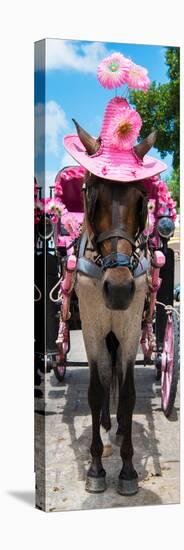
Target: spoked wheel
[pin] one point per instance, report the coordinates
(170, 363)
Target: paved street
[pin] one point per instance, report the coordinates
(68, 436)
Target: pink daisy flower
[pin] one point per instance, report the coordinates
(125, 128)
(137, 77)
(112, 71)
(54, 206)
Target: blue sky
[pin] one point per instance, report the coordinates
(73, 91)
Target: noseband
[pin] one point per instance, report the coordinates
(115, 259)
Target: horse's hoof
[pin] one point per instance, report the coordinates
(107, 450)
(95, 484)
(128, 487)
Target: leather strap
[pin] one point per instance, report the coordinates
(83, 243)
(117, 232)
(116, 259)
(141, 268)
(89, 268)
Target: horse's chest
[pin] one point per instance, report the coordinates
(93, 309)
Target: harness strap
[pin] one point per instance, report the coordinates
(89, 268)
(88, 223)
(83, 243)
(116, 259)
(117, 232)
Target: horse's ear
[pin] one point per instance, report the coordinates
(91, 144)
(142, 148)
(143, 213)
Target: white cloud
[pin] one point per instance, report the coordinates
(67, 160)
(62, 54)
(49, 124)
(50, 178)
(55, 122)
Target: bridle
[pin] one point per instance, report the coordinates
(118, 231)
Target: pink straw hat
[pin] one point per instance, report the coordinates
(114, 155)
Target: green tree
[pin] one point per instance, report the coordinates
(173, 183)
(159, 108)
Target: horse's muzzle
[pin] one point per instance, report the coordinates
(118, 295)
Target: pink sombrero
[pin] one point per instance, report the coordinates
(113, 155)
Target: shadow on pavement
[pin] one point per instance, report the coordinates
(142, 498)
(75, 414)
(144, 436)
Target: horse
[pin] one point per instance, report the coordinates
(111, 307)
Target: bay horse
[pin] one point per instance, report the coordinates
(111, 314)
(111, 303)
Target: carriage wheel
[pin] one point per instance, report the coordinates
(170, 363)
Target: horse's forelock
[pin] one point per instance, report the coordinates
(94, 185)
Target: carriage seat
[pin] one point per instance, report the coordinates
(71, 179)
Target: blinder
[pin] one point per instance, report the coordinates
(143, 213)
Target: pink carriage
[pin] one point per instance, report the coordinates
(160, 323)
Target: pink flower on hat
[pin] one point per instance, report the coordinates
(112, 71)
(124, 129)
(137, 77)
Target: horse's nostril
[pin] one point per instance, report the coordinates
(107, 287)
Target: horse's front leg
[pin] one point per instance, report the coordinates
(128, 478)
(96, 474)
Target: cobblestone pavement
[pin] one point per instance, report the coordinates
(67, 425)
